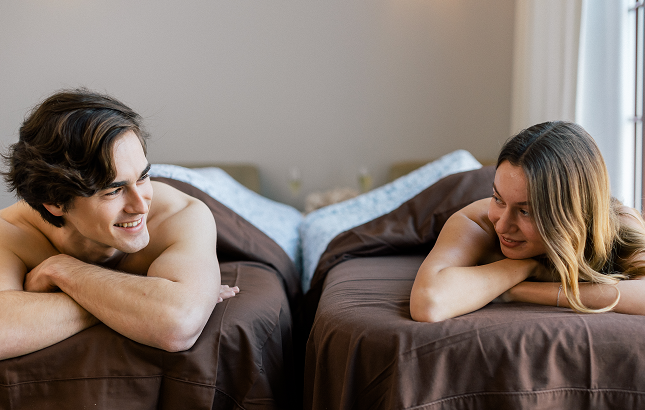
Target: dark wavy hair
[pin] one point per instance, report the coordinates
(64, 149)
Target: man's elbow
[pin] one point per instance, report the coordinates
(178, 344)
(181, 332)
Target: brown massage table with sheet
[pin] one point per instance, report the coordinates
(365, 352)
(243, 359)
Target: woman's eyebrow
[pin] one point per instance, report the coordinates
(523, 203)
(495, 190)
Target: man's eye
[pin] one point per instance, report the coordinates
(112, 193)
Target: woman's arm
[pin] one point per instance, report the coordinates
(594, 296)
(455, 279)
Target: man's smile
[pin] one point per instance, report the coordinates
(129, 224)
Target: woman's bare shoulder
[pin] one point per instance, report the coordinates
(467, 239)
(478, 213)
(630, 217)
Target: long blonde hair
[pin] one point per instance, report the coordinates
(568, 187)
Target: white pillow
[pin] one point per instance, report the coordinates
(278, 221)
(324, 224)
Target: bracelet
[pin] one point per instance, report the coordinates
(557, 301)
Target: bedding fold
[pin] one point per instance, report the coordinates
(244, 358)
(412, 228)
(365, 351)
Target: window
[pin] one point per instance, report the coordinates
(638, 9)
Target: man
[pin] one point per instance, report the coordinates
(87, 243)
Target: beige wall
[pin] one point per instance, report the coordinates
(329, 87)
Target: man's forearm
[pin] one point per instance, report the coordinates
(150, 310)
(32, 321)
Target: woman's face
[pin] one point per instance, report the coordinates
(512, 216)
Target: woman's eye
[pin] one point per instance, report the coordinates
(524, 212)
(146, 176)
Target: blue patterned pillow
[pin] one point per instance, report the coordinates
(278, 221)
(324, 224)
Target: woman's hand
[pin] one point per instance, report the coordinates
(542, 273)
(539, 274)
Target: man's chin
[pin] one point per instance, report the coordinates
(135, 246)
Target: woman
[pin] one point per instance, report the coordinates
(551, 220)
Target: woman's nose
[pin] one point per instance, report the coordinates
(504, 222)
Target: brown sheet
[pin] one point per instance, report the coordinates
(365, 352)
(242, 360)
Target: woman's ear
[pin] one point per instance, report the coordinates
(54, 209)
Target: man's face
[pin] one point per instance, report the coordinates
(115, 217)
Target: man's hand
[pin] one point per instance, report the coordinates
(39, 279)
(226, 292)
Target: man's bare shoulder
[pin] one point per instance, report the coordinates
(175, 220)
(169, 202)
(174, 214)
(23, 245)
(22, 232)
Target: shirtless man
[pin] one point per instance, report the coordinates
(87, 243)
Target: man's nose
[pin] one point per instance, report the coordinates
(137, 203)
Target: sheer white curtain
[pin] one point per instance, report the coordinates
(574, 61)
(545, 67)
(605, 98)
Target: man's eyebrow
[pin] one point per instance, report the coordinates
(523, 203)
(119, 184)
(145, 171)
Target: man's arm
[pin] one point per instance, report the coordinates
(169, 307)
(33, 321)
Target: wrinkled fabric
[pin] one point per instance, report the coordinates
(242, 360)
(365, 352)
(322, 225)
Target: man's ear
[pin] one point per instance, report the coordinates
(54, 209)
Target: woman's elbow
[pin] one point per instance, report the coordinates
(427, 309)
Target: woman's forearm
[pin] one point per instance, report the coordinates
(594, 296)
(454, 291)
